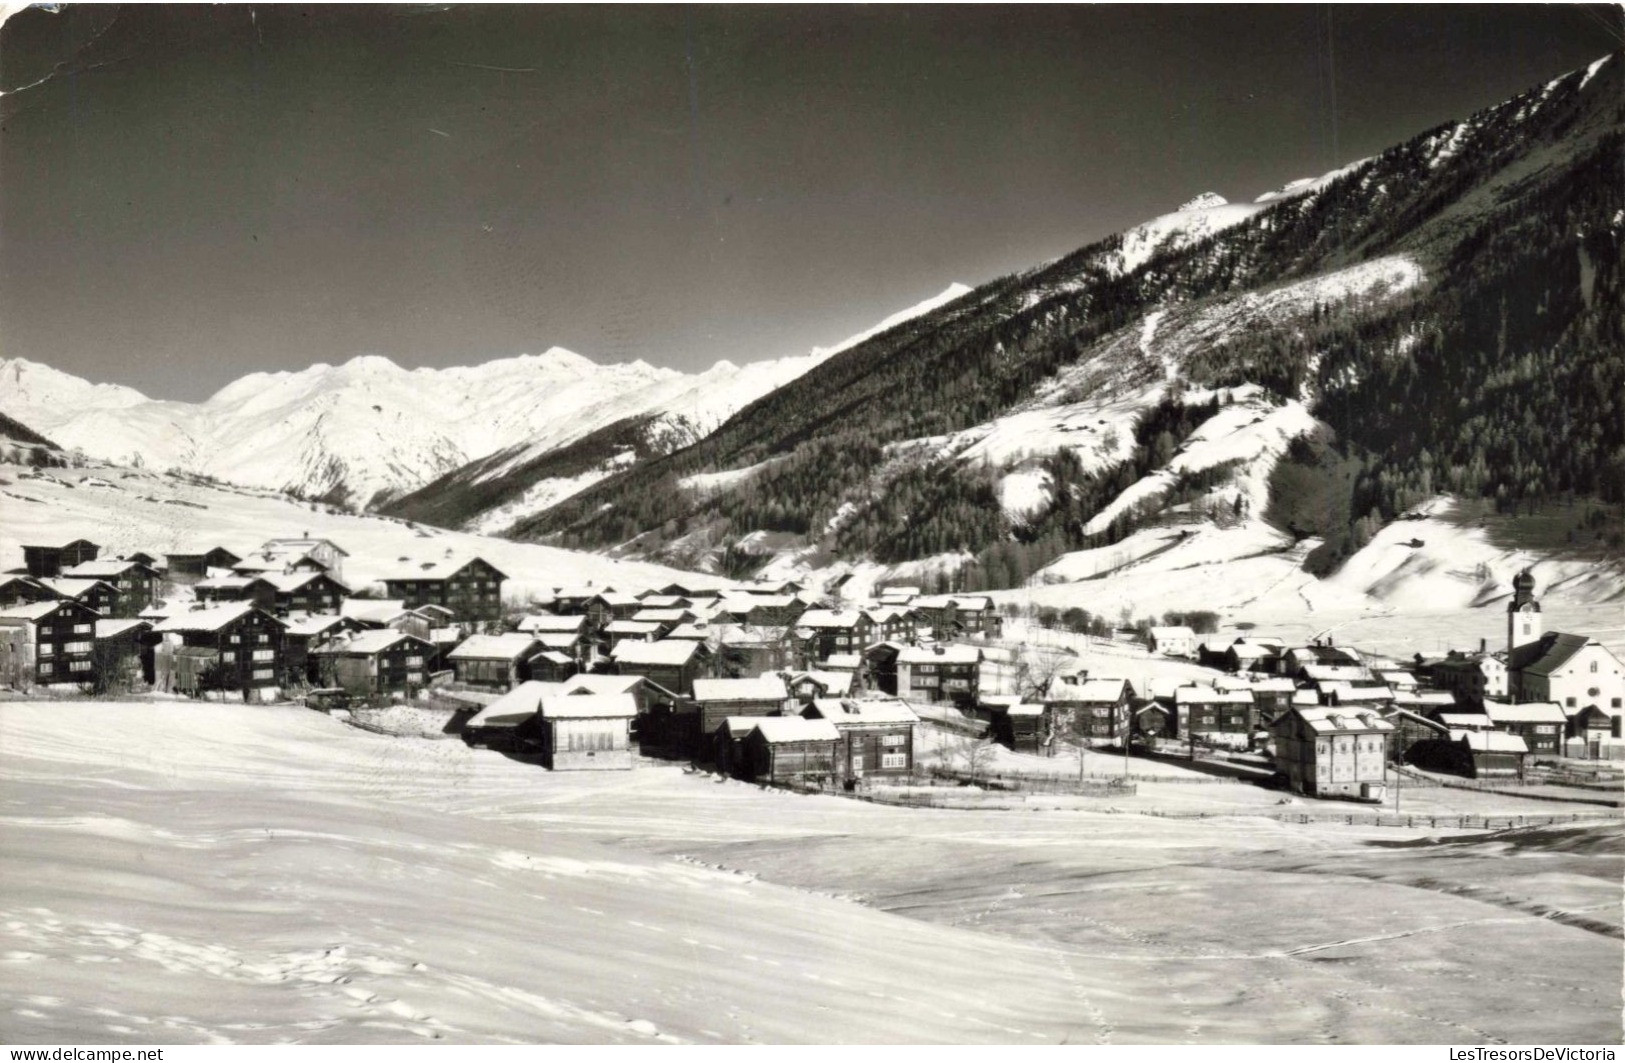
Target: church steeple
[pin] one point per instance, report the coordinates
(1523, 612)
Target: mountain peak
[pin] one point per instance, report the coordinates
(1204, 201)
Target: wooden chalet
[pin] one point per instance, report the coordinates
(99, 594)
(17, 589)
(821, 633)
(619, 631)
(471, 589)
(789, 749)
(956, 614)
(1091, 709)
(125, 655)
(762, 610)
(1332, 752)
(48, 643)
(666, 618)
(1541, 724)
(225, 647)
(581, 731)
(718, 699)
(728, 753)
(608, 606)
(191, 567)
(572, 601)
(938, 673)
(326, 553)
(43, 561)
(136, 583)
(257, 591)
(877, 737)
(307, 592)
(1208, 712)
(1323, 653)
(497, 661)
(508, 722)
(305, 633)
(890, 623)
(1023, 726)
(369, 663)
(671, 664)
(817, 683)
(552, 666)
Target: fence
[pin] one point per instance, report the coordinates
(1047, 783)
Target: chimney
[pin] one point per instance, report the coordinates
(1483, 645)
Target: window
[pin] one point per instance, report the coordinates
(894, 760)
(78, 666)
(1546, 729)
(46, 667)
(264, 637)
(414, 662)
(1569, 702)
(1593, 667)
(84, 629)
(263, 673)
(46, 649)
(1614, 703)
(893, 740)
(234, 639)
(77, 647)
(264, 655)
(228, 657)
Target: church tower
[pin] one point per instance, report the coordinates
(1523, 613)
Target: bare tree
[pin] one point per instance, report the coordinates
(975, 754)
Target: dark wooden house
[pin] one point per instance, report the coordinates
(234, 647)
(125, 655)
(939, 673)
(43, 561)
(137, 584)
(1541, 724)
(374, 662)
(718, 699)
(21, 590)
(1210, 713)
(671, 664)
(497, 661)
(471, 589)
(99, 594)
(789, 749)
(257, 591)
(190, 567)
(305, 633)
(877, 737)
(48, 644)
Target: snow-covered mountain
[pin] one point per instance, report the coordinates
(368, 429)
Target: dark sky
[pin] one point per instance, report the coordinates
(192, 193)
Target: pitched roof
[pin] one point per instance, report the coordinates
(1165, 634)
(549, 622)
(1529, 712)
(287, 582)
(373, 610)
(514, 707)
(1025, 709)
(940, 654)
(230, 583)
(557, 640)
(1195, 695)
(313, 625)
(843, 661)
(444, 568)
(107, 629)
(595, 683)
(665, 651)
(775, 729)
(1335, 719)
(1490, 741)
(33, 610)
(102, 569)
(1090, 690)
(1549, 654)
(661, 616)
(212, 619)
(74, 588)
(1466, 721)
(367, 642)
(829, 618)
(762, 688)
(494, 647)
(588, 706)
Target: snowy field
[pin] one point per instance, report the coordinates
(176, 872)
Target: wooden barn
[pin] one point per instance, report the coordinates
(16, 589)
(43, 561)
(226, 647)
(728, 753)
(1091, 709)
(96, 593)
(670, 664)
(580, 731)
(1473, 754)
(125, 654)
(370, 663)
(193, 566)
(789, 749)
(877, 737)
(496, 661)
(823, 632)
(220, 590)
(1540, 724)
(1023, 727)
(305, 633)
(507, 722)
(48, 644)
(718, 699)
(136, 583)
(471, 589)
(307, 592)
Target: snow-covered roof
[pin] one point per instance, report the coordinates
(746, 603)
(775, 729)
(661, 616)
(557, 640)
(102, 569)
(1271, 684)
(1195, 695)
(740, 726)
(1332, 672)
(539, 622)
(1336, 719)
(313, 624)
(697, 631)
(444, 568)
(554, 657)
(366, 642)
(514, 707)
(762, 688)
(940, 654)
(373, 610)
(1168, 634)
(288, 582)
(229, 583)
(1104, 691)
(1025, 709)
(617, 598)
(1490, 741)
(655, 600)
(837, 683)
(631, 627)
(1346, 692)
(494, 647)
(1397, 679)
(1529, 712)
(665, 651)
(881, 710)
(73, 588)
(1466, 721)
(107, 629)
(829, 618)
(842, 662)
(588, 706)
(1424, 697)
(594, 683)
(212, 619)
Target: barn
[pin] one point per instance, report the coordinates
(580, 731)
(374, 662)
(789, 749)
(493, 660)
